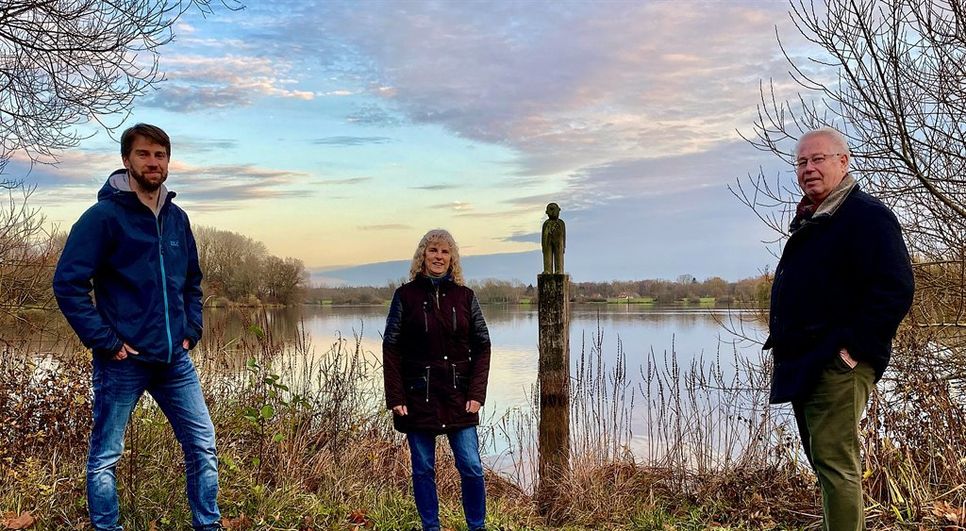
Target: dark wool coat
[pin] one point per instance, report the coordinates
(844, 280)
(436, 355)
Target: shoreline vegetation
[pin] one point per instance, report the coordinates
(304, 441)
(305, 444)
(685, 290)
(702, 302)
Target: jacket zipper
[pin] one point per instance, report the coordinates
(454, 376)
(427, 383)
(164, 287)
(425, 319)
(454, 318)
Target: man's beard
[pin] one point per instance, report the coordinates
(145, 184)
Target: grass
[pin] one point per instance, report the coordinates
(630, 300)
(305, 444)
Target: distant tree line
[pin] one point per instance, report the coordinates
(237, 269)
(755, 290)
(749, 291)
(240, 270)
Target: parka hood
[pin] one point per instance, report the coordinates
(118, 181)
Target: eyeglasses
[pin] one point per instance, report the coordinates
(816, 160)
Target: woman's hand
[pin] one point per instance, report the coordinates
(472, 406)
(400, 410)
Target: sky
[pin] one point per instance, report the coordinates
(340, 132)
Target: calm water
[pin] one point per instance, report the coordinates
(647, 340)
(663, 333)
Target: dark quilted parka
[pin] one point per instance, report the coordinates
(436, 355)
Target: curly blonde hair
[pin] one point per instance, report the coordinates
(419, 257)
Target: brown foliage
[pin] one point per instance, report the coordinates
(44, 408)
(17, 521)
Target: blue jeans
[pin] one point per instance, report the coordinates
(118, 385)
(465, 445)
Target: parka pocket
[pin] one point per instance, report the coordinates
(460, 375)
(418, 386)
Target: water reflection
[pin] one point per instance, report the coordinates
(687, 334)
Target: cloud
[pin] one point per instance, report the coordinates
(703, 232)
(183, 28)
(525, 237)
(349, 180)
(80, 174)
(231, 197)
(385, 227)
(455, 206)
(226, 186)
(350, 141)
(376, 116)
(74, 169)
(539, 201)
(436, 187)
(203, 145)
(493, 214)
(670, 174)
(564, 85)
(195, 82)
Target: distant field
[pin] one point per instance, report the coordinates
(630, 300)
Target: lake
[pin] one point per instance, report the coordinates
(661, 347)
(690, 333)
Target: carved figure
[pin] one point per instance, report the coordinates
(553, 241)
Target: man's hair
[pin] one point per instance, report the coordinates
(834, 135)
(148, 131)
(419, 257)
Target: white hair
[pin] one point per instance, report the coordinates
(834, 135)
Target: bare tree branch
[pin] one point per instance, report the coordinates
(65, 63)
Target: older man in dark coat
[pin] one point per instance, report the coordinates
(842, 287)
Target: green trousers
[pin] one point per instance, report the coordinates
(828, 421)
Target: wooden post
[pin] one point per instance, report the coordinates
(554, 381)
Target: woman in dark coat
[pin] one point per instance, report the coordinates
(436, 360)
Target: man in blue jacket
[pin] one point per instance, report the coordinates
(842, 286)
(135, 250)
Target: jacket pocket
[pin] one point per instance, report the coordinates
(417, 387)
(460, 372)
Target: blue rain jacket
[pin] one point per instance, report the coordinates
(143, 270)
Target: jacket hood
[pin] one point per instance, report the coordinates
(118, 182)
